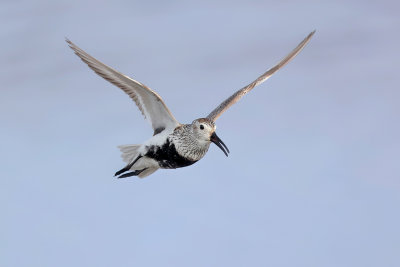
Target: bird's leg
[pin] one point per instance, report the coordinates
(134, 173)
(128, 167)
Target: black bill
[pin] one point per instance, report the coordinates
(215, 139)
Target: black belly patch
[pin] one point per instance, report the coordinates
(167, 156)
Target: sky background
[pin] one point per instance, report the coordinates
(313, 178)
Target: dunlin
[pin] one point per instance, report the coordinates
(173, 145)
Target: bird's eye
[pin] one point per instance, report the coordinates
(201, 127)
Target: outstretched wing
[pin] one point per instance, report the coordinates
(149, 102)
(239, 94)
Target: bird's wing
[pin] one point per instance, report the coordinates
(236, 96)
(149, 102)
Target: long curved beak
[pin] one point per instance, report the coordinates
(215, 139)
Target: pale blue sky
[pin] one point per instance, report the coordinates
(313, 178)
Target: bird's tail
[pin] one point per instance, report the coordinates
(129, 152)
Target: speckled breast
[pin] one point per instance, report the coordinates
(167, 156)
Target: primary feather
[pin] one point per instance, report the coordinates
(240, 93)
(149, 102)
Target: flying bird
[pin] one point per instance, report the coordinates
(173, 145)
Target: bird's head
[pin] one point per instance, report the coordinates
(204, 130)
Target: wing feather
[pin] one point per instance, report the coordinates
(240, 93)
(149, 102)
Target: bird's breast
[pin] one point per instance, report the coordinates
(167, 156)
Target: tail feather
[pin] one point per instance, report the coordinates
(129, 152)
